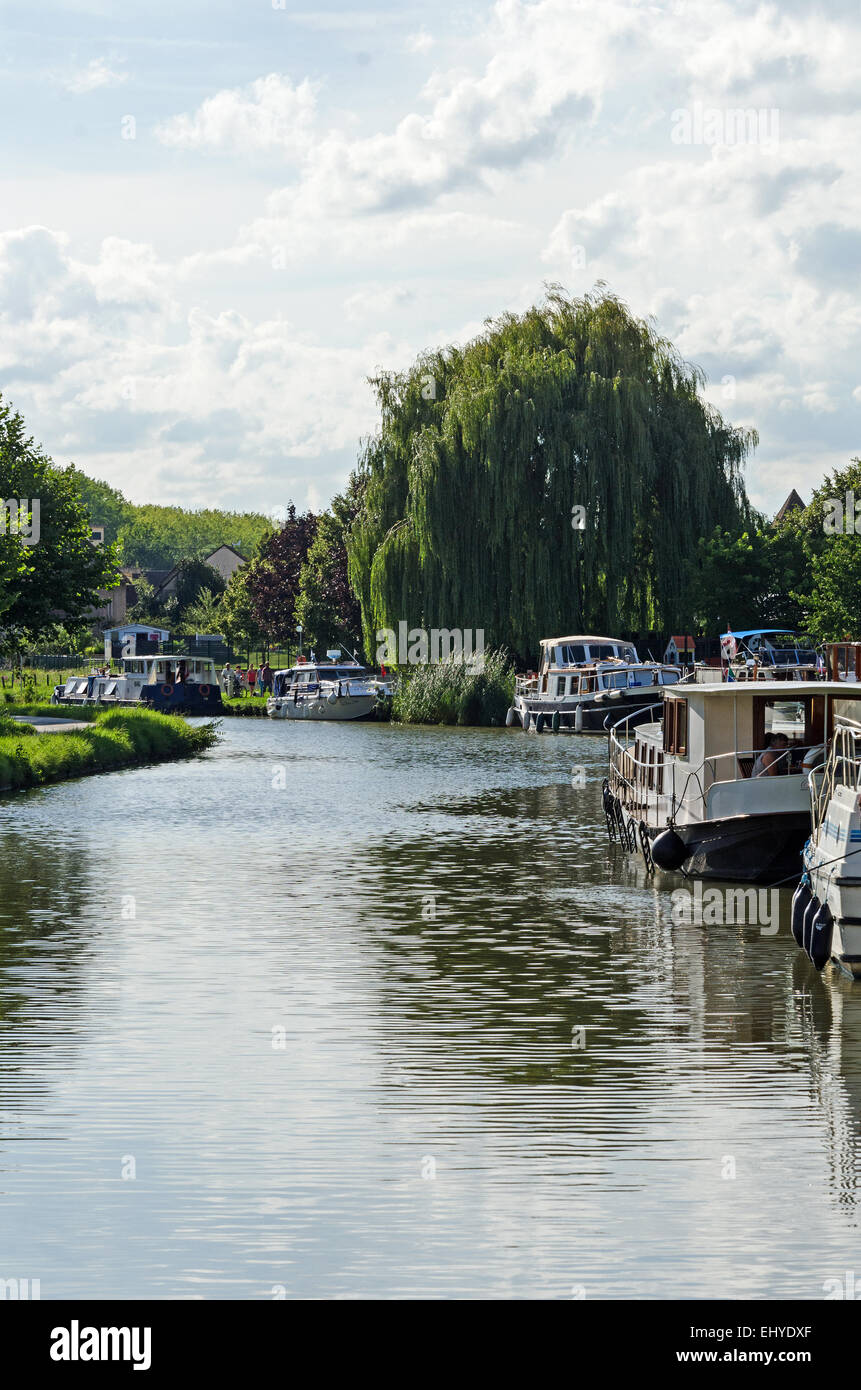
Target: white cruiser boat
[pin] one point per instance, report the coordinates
(582, 680)
(693, 782)
(173, 684)
(326, 690)
(769, 653)
(826, 908)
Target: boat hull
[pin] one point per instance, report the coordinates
(748, 849)
(590, 715)
(842, 893)
(181, 698)
(343, 707)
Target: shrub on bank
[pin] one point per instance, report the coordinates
(450, 692)
(118, 738)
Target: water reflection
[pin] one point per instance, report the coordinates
(409, 1025)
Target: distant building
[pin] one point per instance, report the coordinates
(680, 651)
(793, 503)
(133, 639)
(224, 559)
(115, 603)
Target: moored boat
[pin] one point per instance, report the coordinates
(826, 909)
(172, 684)
(581, 680)
(767, 653)
(719, 778)
(326, 690)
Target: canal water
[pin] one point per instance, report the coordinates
(345, 1010)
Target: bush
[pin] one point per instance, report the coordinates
(450, 692)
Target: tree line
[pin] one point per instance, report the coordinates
(562, 472)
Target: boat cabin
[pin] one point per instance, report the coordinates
(774, 649)
(586, 665)
(307, 676)
(176, 670)
(843, 660)
(698, 761)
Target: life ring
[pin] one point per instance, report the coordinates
(167, 690)
(204, 692)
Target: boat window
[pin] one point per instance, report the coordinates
(573, 654)
(676, 727)
(616, 680)
(587, 685)
(601, 651)
(785, 717)
(560, 685)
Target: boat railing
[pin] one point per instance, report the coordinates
(640, 781)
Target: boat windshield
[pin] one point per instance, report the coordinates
(571, 654)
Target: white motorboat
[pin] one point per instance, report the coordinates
(770, 653)
(826, 909)
(582, 680)
(326, 690)
(694, 783)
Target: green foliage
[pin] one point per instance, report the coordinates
(747, 580)
(830, 589)
(833, 595)
(466, 519)
(117, 738)
(327, 607)
(192, 577)
(57, 578)
(153, 537)
(204, 614)
(449, 692)
(237, 614)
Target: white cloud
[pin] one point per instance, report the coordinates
(96, 74)
(272, 114)
(420, 42)
(541, 147)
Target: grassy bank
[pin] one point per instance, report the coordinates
(118, 738)
(248, 706)
(44, 707)
(448, 692)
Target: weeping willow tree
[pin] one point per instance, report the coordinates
(472, 486)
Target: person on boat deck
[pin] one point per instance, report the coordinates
(774, 759)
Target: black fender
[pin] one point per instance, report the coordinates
(821, 932)
(669, 850)
(800, 900)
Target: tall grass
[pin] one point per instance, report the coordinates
(450, 692)
(117, 738)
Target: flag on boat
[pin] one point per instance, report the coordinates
(728, 646)
(820, 665)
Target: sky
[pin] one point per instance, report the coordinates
(219, 218)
